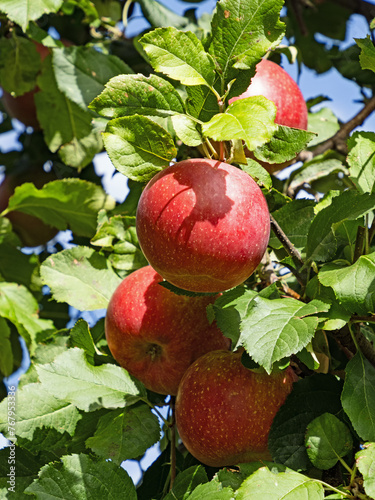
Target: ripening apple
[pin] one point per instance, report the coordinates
(156, 334)
(203, 225)
(31, 230)
(224, 411)
(274, 83)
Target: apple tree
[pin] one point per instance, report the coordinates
(74, 85)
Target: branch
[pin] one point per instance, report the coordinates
(282, 237)
(344, 338)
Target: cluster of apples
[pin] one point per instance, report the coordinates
(203, 226)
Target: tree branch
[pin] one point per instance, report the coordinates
(282, 237)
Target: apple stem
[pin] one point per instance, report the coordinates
(172, 427)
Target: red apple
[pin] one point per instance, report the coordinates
(31, 230)
(274, 83)
(23, 107)
(156, 334)
(224, 411)
(203, 225)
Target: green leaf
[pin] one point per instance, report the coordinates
(65, 124)
(242, 32)
(361, 159)
(365, 461)
(24, 11)
(294, 219)
(72, 378)
(125, 433)
(160, 16)
(201, 103)
(284, 145)
(138, 147)
(16, 266)
(288, 485)
(321, 240)
(186, 130)
(327, 440)
(35, 409)
(275, 329)
(358, 396)
(250, 119)
(19, 64)
(310, 398)
(323, 123)
(81, 72)
(186, 481)
(6, 354)
(353, 285)
(256, 171)
(137, 94)
(79, 477)
(19, 306)
(211, 491)
(179, 55)
(80, 336)
(367, 57)
(81, 277)
(66, 203)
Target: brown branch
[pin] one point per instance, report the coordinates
(282, 237)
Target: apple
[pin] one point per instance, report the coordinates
(274, 83)
(224, 411)
(203, 225)
(31, 230)
(156, 334)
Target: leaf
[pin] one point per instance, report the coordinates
(64, 123)
(186, 481)
(19, 64)
(201, 102)
(294, 219)
(211, 491)
(361, 159)
(81, 476)
(288, 485)
(159, 15)
(138, 147)
(367, 57)
(323, 123)
(81, 72)
(186, 130)
(125, 433)
(310, 398)
(274, 329)
(24, 11)
(250, 119)
(327, 440)
(365, 461)
(6, 354)
(19, 306)
(72, 378)
(242, 32)
(66, 203)
(137, 94)
(16, 266)
(80, 336)
(284, 145)
(353, 285)
(256, 171)
(179, 55)
(36, 409)
(81, 277)
(358, 396)
(321, 241)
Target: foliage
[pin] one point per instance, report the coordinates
(147, 101)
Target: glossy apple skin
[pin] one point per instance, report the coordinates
(203, 225)
(156, 334)
(224, 411)
(31, 230)
(274, 83)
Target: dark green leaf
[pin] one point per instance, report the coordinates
(358, 396)
(365, 461)
(6, 354)
(327, 440)
(310, 398)
(160, 16)
(367, 57)
(324, 123)
(186, 481)
(28, 10)
(284, 145)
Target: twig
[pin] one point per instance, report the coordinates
(282, 237)
(343, 336)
